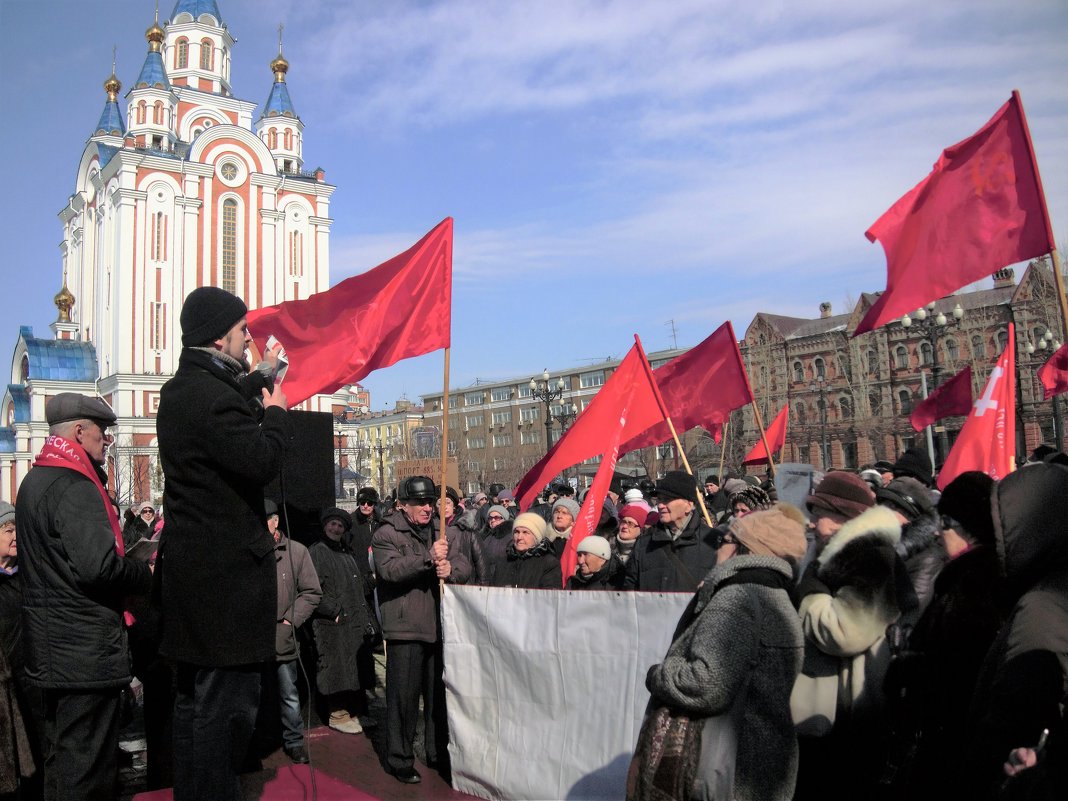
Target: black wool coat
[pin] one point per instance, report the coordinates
(342, 620)
(216, 567)
(660, 564)
(537, 568)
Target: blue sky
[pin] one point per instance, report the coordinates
(610, 165)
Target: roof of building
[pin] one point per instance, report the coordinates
(195, 8)
(152, 73)
(278, 103)
(20, 399)
(60, 359)
(111, 121)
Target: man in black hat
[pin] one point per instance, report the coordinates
(74, 578)
(410, 562)
(680, 549)
(217, 572)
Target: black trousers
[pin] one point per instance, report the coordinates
(413, 669)
(214, 718)
(80, 743)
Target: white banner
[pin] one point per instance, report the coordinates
(546, 688)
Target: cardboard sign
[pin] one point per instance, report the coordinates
(430, 468)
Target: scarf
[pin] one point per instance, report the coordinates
(60, 452)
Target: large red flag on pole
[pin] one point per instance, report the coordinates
(987, 442)
(1054, 373)
(954, 397)
(598, 425)
(981, 208)
(776, 437)
(700, 388)
(637, 394)
(397, 310)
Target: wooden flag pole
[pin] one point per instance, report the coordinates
(763, 436)
(723, 450)
(444, 446)
(1058, 280)
(671, 427)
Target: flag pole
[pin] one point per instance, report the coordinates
(671, 426)
(723, 450)
(444, 446)
(763, 436)
(1054, 255)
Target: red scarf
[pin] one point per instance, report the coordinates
(60, 452)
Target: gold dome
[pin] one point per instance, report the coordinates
(154, 35)
(280, 67)
(112, 87)
(64, 301)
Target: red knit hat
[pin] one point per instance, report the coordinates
(845, 493)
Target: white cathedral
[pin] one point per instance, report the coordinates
(177, 188)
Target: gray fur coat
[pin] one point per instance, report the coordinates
(743, 630)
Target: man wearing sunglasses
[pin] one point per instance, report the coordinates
(411, 562)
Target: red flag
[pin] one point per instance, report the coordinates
(399, 309)
(952, 398)
(988, 440)
(776, 437)
(1054, 373)
(624, 406)
(980, 209)
(590, 513)
(700, 388)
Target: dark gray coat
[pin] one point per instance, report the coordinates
(215, 565)
(744, 645)
(343, 619)
(660, 564)
(299, 594)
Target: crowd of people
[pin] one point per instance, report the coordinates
(885, 640)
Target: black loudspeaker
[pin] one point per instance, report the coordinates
(308, 471)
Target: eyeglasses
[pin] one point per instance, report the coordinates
(148, 511)
(366, 503)
(495, 517)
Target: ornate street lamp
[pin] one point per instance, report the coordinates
(1045, 343)
(820, 385)
(547, 392)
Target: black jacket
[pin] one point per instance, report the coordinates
(660, 564)
(73, 582)
(215, 564)
(344, 601)
(537, 568)
(609, 577)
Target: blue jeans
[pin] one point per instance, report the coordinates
(289, 698)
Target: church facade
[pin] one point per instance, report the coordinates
(180, 185)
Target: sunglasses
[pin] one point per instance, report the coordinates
(495, 517)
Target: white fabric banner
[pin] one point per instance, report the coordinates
(546, 688)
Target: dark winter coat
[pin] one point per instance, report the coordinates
(11, 618)
(299, 594)
(660, 564)
(215, 564)
(1021, 686)
(408, 592)
(342, 620)
(537, 568)
(609, 577)
(924, 558)
(134, 531)
(744, 646)
(495, 542)
(469, 543)
(73, 583)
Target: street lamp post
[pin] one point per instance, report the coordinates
(1047, 342)
(820, 385)
(547, 393)
(342, 418)
(931, 326)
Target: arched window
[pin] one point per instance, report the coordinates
(820, 370)
(272, 139)
(1003, 340)
(207, 54)
(800, 413)
(875, 403)
(952, 351)
(904, 400)
(901, 357)
(142, 112)
(229, 245)
(926, 354)
(978, 348)
(158, 237)
(181, 54)
(846, 405)
(799, 372)
(763, 376)
(873, 362)
(157, 113)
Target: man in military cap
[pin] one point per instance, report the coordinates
(74, 578)
(410, 563)
(215, 564)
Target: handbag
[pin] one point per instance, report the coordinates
(666, 755)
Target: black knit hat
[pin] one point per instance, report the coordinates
(677, 484)
(337, 514)
(367, 495)
(908, 495)
(208, 313)
(915, 463)
(967, 500)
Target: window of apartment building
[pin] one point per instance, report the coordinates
(1003, 341)
(474, 398)
(499, 463)
(873, 362)
(501, 394)
(978, 348)
(529, 415)
(799, 372)
(529, 437)
(595, 379)
(799, 412)
(821, 370)
(904, 402)
(474, 466)
(875, 403)
(926, 354)
(952, 351)
(474, 443)
(525, 391)
(502, 440)
(500, 418)
(474, 420)
(846, 405)
(849, 454)
(901, 357)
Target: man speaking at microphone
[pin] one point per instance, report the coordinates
(216, 566)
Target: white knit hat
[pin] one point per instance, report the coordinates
(596, 545)
(633, 495)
